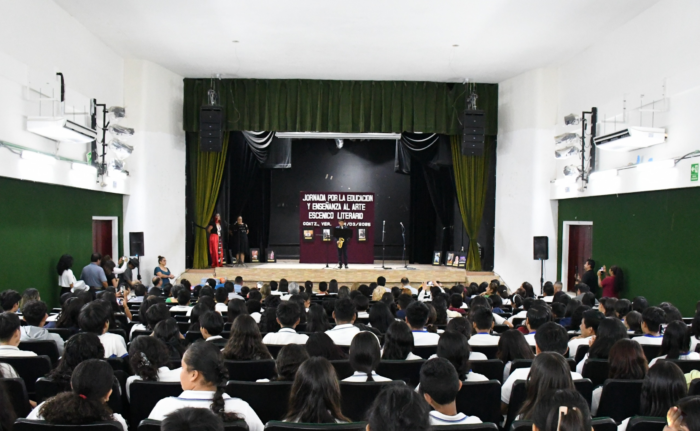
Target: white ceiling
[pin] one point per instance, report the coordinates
(358, 39)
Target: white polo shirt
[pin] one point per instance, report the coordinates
(521, 374)
(221, 307)
(654, 340)
(484, 339)
(690, 356)
(7, 351)
(530, 338)
(165, 374)
(285, 336)
(202, 399)
(522, 314)
(574, 344)
(34, 415)
(342, 335)
(498, 320)
(425, 338)
(180, 308)
(114, 345)
(437, 419)
(548, 298)
(361, 377)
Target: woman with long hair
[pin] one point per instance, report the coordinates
(676, 343)
(610, 331)
(66, 278)
(203, 378)
(236, 307)
(398, 343)
(68, 317)
(168, 332)
(380, 317)
(399, 408)
(91, 385)
(613, 283)
(315, 394)
(455, 348)
(7, 412)
(79, 348)
(149, 358)
(321, 345)
(549, 372)
(364, 358)
(317, 319)
(245, 342)
(511, 346)
(626, 362)
(288, 361)
(562, 410)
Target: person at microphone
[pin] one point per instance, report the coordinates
(342, 247)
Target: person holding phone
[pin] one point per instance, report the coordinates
(612, 284)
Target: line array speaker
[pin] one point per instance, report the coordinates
(211, 132)
(473, 133)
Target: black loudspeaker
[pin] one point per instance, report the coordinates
(541, 247)
(473, 133)
(136, 247)
(211, 133)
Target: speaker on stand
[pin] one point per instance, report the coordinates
(541, 253)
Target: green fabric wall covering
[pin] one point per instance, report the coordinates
(652, 236)
(40, 222)
(298, 105)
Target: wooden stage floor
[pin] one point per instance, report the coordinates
(292, 270)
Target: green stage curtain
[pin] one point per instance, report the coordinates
(208, 174)
(471, 181)
(297, 105)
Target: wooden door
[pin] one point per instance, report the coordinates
(102, 237)
(580, 249)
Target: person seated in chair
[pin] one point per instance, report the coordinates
(10, 336)
(365, 355)
(482, 321)
(417, 317)
(652, 319)
(362, 305)
(149, 358)
(288, 317)
(589, 326)
(35, 314)
(536, 317)
(95, 319)
(183, 301)
(9, 301)
(211, 325)
(221, 297)
(189, 419)
(439, 385)
(344, 315)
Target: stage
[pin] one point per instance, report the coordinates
(292, 270)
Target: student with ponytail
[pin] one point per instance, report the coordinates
(86, 403)
(79, 348)
(562, 410)
(203, 378)
(149, 358)
(364, 358)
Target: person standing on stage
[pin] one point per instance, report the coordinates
(162, 271)
(240, 239)
(216, 242)
(342, 247)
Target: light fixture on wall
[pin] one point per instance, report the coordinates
(572, 144)
(120, 133)
(121, 150)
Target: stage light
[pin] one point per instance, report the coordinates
(568, 139)
(84, 168)
(121, 150)
(121, 132)
(39, 158)
(571, 170)
(572, 120)
(566, 152)
(115, 113)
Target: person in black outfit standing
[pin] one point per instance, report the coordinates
(342, 247)
(589, 277)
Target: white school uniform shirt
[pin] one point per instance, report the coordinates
(342, 335)
(67, 278)
(521, 374)
(362, 315)
(522, 314)
(437, 419)
(623, 425)
(410, 357)
(690, 356)
(473, 356)
(548, 299)
(202, 399)
(256, 316)
(180, 308)
(506, 370)
(693, 343)
(136, 327)
(595, 400)
(654, 340)
(484, 339)
(7, 351)
(34, 415)
(114, 345)
(413, 290)
(579, 366)
(221, 307)
(285, 336)
(425, 338)
(530, 338)
(8, 371)
(361, 377)
(498, 320)
(574, 344)
(165, 374)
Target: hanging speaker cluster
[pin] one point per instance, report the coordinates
(211, 133)
(473, 134)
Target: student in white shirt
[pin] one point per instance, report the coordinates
(549, 372)
(184, 297)
(362, 304)
(344, 315)
(34, 313)
(589, 325)
(411, 411)
(288, 317)
(536, 317)
(610, 331)
(288, 361)
(211, 325)
(439, 385)
(652, 319)
(221, 297)
(548, 292)
(91, 384)
(512, 346)
(676, 343)
(10, 336)
(482, 301)
(626, 362)
(203, 378)
(315, 394)
(564, 409)
(149, 358)
(482, 322)
(398, 343)
(190, 418)
(155, 311)
(406, 285)
(417, 317)
(95, 319)
(454, 347)
(364, 358)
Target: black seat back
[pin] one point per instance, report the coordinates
(520, 363)
(47, 388)
(425, 352)
(489, 351)
(521, 426)
(581, 352)
(685, 366)
(615, 400)
(274, 349)
(153, 425)
(42, 348)
(65, 333)
(280, 426)
(408, 371)
(269, 400)
(342, 368)
(492, 369)
(596, 370)
(30, 369)
(643, 423)
(585, 388)
(192, 336)
(250, 371)
(651, 351)
(145, 395)
(139, 333)
(604, 424)
(469, 427)
(356, 398)
(18, 396)
(481, 399)
(35, 425)
(694, 388)
(518, 395)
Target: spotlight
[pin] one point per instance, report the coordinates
(566, 152)
(571, 170)
(339, 143)
(121, 132)
(568, 139)
(115, 113)
(121, 150)
(572, 120)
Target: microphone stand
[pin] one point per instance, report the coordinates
(403, 253)
(383, 247)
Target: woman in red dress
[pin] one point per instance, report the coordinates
(612, 284)
(216, 247)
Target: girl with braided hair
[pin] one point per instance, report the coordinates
(203, 378)
(149, 358)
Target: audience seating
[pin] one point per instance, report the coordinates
(65, 333)
(120, 364)
(481, 399)
(269, 400)
(408, 371)
(342, 368)
(598, 424)
(274, 349)
(489, 351)
(192, 336)
(685, 366)
(597, 370)
(34, 425)
(468, 427)
(183, 327)
(499, 329)
(30, 369)
(280, 426)
(616, 402)
(694, 388)
(492, 369)
(121, 332)
(42, 348)
(153, 425)
(47, 388)
(250, 371)
(581, 352)
(138, 333)
(425, 352)
(145, 396)
(643, 423)
(517, 321)
(18, 396)
(651, 351)
(357, 398)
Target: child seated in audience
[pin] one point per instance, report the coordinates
(676, 343)
(537, 316)
(496, 303)
(589, 326)
(456, 303)
(221, 298)
(398, 343)
(211, 325)
(562, 410)
(364, 359)
(381, 317)
(558, 311)
(439, 385)
(289, 359)
(684, 416)
(417, 318)
(652, 319)
(663, 387)
(482, 321)
(190, 419)
(399, 408)
(9, 301)
(184, 297)
(317, 319)
(344, 314)
(95, 319)
(622, 307)
(79, 348)
(633, 323)
(362, 305)
(203, 378)
(91, 385)
(35, 314)
(68, 317)
(236, 307)
(10, 335)
(321, 345)
(610, 331)
(481, 301)
(626, 362)
(454, 347)
(288, 317)
(549, 372)
(315, 394)
(168, 332)
(402, 303)
(245, 342)
(253, 307)
(607, 306)
(512, 346)
(149, 358)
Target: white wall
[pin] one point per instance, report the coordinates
(153, 97)
(526, 117)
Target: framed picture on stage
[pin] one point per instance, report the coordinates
(326, 234)
(450, 258)
(271, 256)
(455, 261)
(361, 234)
(437, 255)
(255, 255)
(462, 260)
(308, 234)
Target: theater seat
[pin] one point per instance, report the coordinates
(425, 352)
(597, 370)
(685, 366)
(598, 424)
(250, 371)
(269, 400)
(139, 333)
(615, 400)
(694, 388)
(280, 426)
(581, 352)
(34, 425)
(468, 427)
(492, 369)
(651, 351)
(407, 371)
(18, 396)
(342, 368)
(481, 399)
(153, 425)
(192, 336)
(30, 369)
(42, 348)
(519, 395)
(65, 333)
(145, 395)
(489, 351)
(356, 398)
(644, 423)
(274, 349)
(47, 388)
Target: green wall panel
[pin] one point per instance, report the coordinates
(652, 236)
(40, 222)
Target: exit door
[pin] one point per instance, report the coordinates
(580, 249)
(102, 237)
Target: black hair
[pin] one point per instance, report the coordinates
(80, 347)
(482, 317)
(64, 263)
(417, 315)
(547, 417)
(320, 344)
(344, 310)
(273, 286)
(676, 340)
(512, 345)
(439, 379)
(662, 388)
(549, 371)
(207, 303)
(8, 299)
(221, 295)
(255, 294)
(315, 394)
(238, 280)
(381, 317)
(147, 355)
(245, 342)
(558, 310)
(552, 337)
(156, 313)
(365, 353)
(640, 303)
(207, 290)
(582, 288)
(184, 297)
(460, 325)
(361, 303)
(455, 348)
(654, 317)
(590, 263)
(289, 359)
(626, 361)
(9, 324)
(456, 300)
(190, 419)
(496, 301)
(610, 330)
(95, 257)
(548, 289)
(252, 306)
(634, 322)
(592, 318)
(622, 307)
(561, 297)
(212, 322)
(93, 317)
(317, 319)
(236, 307)
(34, 312)
(169, 333)
(398, 341)
(577, 316)
(588, 299)
(690, 412)
(70, 310)
(206, 358)
(537, 316)
(404, 301)
(609, 306)
(480, 301)
(672, 313)
(399, 408)
(333, 286)
(322, 286)
(288, 313)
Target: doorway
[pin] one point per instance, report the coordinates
(105, 231)
(577, 244)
